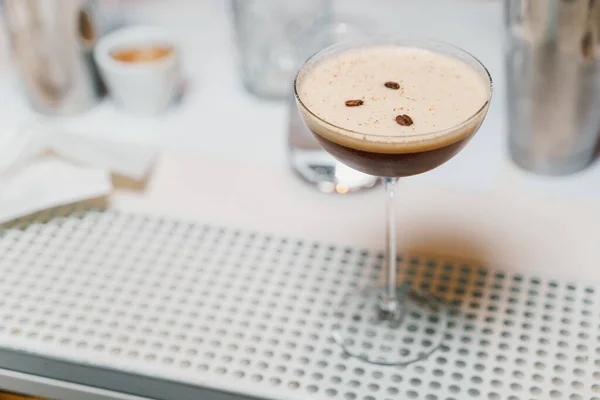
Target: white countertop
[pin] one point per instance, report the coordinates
(223, 156)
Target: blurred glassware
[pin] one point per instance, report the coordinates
(53, 42)
(553, 76)
(267, 33)
(109, 15)
(305, 155)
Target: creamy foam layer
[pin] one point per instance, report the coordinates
(437, 91)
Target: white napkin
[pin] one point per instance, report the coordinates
(43, 165)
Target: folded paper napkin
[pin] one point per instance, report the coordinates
(43, 165)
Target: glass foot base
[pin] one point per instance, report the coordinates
(411, 333)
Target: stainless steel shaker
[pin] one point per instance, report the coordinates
(553, 75)
(52, 42)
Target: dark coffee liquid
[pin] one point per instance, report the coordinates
(392, 165)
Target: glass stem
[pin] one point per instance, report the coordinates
(389, 300)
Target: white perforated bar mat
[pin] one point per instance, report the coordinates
(195, 306)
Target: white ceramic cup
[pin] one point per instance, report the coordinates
(145, 87)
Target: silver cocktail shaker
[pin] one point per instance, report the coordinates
(553, 75)
(52, 42)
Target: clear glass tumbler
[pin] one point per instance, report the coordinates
(267, 32)
(305, 155)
